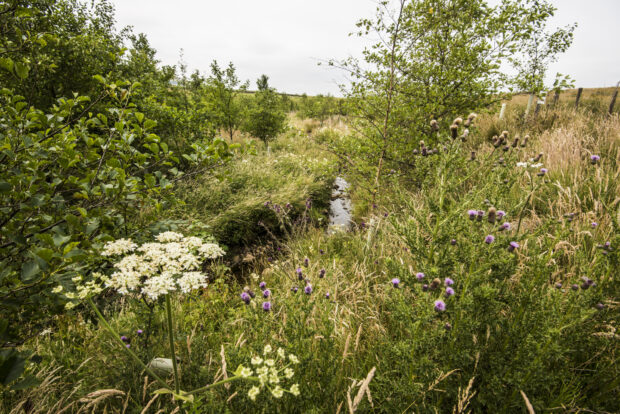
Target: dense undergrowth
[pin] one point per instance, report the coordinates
(532, 321)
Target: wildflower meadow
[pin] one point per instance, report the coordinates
(431, 241)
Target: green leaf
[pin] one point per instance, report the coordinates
(6, 63)
(21, 70)
(29, 381)
(29, 271)
(11, 367)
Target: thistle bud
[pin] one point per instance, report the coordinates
(524, 142)
(416, 152)
(465, 135)
(473, 156)
(454, 128)
(435, 283)
(467, 123)
(458, 121)
(538, 157)
(471, 116)
(434, 125)
(515, 142)
(506, 148)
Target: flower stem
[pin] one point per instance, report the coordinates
(215, 384)
(131, 353)
(171, 338)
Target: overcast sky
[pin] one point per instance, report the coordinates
(286, 38)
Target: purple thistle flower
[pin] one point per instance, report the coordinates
(321, 251)
(266, 306)
(245, 297)
(500, 214)
(420, 275)
(449, 292)
(266, 293)
(124, 338)
(269, 259)
(472, 214)
(594, 224)
(395, 282)
(306, 262)
(327, 295)
(480, 215)
(600, 306)
(139, 331)
(448, 326)
(542, 172)
(288, 206)
(385, 214)
(448, 282)
(558, 285)
(594, 159)
(300, 274)
(308, 289)
(505, 226)
(453, 242)
(294, 289)
(440, 305)
(424, 288)
(128, 346)
(574, 287)
(322, 273)
(489, 239)
(262, 285)
(513, 245)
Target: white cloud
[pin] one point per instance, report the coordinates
(286, 38)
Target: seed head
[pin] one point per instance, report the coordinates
(491, 215)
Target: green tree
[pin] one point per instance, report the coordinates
(435, 59)
(226, 88)
(266, 117)
(538, 50)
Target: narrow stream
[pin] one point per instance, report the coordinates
(340, 207)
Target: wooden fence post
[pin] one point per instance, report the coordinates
(556, 97)
(579, 91)
(613, 99)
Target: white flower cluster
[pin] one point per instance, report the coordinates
(83, 289)
(271, 371)
(118, 247)
(155, 269)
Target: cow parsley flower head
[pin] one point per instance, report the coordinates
(172, 264)
(118, 247)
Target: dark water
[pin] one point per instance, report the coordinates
(340, 207)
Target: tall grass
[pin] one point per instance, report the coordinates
(510, 337)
